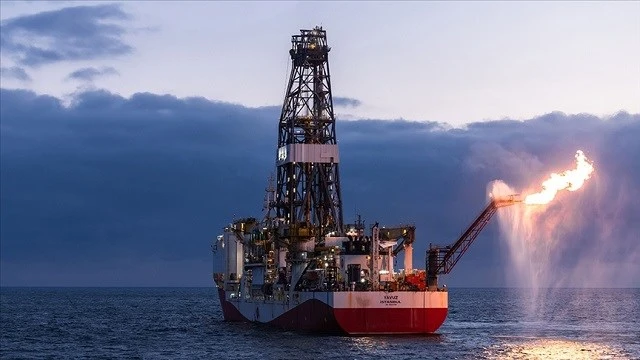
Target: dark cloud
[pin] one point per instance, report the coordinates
(15, 72)
(113, 186)
(90, 73)
(71, 33)
(346, 102)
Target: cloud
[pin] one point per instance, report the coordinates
(151, 179)
(15, 72)
(90, 73)
(346, 102)
(71, 33)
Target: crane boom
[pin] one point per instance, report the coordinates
(406, 234)
(441, 260)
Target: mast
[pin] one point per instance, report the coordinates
(267, 207)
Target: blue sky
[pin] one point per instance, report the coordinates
(454, 62)
(132, 133)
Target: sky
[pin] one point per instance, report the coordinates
(453, 62)
(132, 133)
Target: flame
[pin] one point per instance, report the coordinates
(571, 180)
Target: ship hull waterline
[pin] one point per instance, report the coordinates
(351, 313)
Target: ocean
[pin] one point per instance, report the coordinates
(186, 323)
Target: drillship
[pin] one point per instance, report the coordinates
(300, 267)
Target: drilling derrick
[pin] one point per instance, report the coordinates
(308, 198)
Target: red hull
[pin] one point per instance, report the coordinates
(229, 311)
(316, 316)
(390, 321)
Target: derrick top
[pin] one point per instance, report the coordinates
(310, 45)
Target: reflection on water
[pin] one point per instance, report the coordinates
(366, 344)
(553, 349)
(376, 346)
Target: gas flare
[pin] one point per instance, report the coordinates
(571, 180)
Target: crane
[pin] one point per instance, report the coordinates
(404, 237)
(441, 260)
(405, 234)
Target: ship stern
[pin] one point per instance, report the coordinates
(400, 312)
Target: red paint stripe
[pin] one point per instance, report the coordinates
(230, 312)
(391, 321)
(311, 315)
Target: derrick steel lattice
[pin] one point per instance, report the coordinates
(308, 183)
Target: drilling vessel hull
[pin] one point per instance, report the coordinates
(352, 313)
